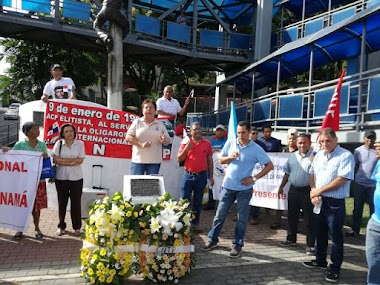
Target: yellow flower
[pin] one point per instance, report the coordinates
(102, 206)
(90, 271)
(135, 214)
(109, 279)
(128, 214)
(102, 279)
(103, 252)
(112, 272)
(92, 280)
(100, 266)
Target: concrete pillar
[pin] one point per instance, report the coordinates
(220, 93)
(115, 69)
(263, 29)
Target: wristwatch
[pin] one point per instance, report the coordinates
(254, 178)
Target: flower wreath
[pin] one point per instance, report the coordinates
(109, 243)
(166, 248)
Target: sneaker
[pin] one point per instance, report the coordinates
(332, 276)
(60, 232)
(235, 251)
(287, 243)
(310, 250)
(210, 245)
(350, 233)
(313, 264)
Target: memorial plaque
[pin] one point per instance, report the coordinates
(145, 187)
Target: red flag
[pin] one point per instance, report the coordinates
(331, 119)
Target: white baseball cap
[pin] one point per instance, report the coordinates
(220, 126)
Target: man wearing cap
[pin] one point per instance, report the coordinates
(59, 87)
(220, 139)
(168, 107)
(182, 19)
(364, 187)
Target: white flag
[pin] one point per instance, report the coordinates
(192, 93)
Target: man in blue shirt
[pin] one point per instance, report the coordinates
(372, 243)
(365, 160)
(331, 173)
(297, 174)
(241, 155)
(219, 140)
(269, 143)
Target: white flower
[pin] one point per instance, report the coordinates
(155, 225)
(169, 218)
(102, 222)
(116, 213)
(172, 205)
(187, 219)
(178, 226)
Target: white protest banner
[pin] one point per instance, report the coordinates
(219, 172)
(265, 190)
(20, 173)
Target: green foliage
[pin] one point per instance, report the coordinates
(31, 62)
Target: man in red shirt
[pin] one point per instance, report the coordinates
(197, 154)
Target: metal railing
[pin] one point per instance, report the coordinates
(359, 113)
(9, 134)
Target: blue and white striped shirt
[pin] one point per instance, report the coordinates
(297, 167)
(341, 163)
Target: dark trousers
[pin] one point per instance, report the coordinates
(299, 198)
(69, 189)
(330, 219)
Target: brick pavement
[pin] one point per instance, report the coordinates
(54, 260)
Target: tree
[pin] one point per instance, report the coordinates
(31, 62)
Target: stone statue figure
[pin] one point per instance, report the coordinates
(111, 11)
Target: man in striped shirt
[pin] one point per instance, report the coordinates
(331, 173)
(297, 173)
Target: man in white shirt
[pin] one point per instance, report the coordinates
(59, 87)
(168, 107)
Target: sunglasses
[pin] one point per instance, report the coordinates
(254, 133)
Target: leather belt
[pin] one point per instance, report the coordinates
(195, 173)
(304, 188)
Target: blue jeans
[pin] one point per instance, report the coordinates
(145, 168)
(330, 220)
(361, 195)
(196, 183)
(372, 249)
(226, 200)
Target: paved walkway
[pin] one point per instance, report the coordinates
(54, 260)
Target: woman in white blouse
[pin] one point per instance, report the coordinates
(68, 155)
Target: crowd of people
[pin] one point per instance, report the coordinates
(319, 182)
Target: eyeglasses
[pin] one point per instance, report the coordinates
(196, 130)
(254, 133)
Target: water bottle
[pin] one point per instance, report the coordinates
(317, 208)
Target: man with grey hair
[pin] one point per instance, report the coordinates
(197, 154)
(331, 173)
(168, 107)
